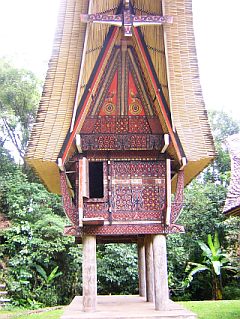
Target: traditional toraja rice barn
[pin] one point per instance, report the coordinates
(122, 125)
(232, 204)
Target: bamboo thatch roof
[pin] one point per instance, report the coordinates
(76, 49)
(232, 204)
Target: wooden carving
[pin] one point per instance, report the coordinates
(70, 209)
(178, 199)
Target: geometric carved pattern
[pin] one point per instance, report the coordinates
(122, 124)
(138, 190)
(92, 210)
(92, 142)
(178, 199)
(138, 169)
(119, 230)
(134, 229)
(69, 207)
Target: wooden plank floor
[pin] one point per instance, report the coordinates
(125, 307)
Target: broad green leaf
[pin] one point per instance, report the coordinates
(206, 250)
(195, 270)
(217, 267)
(53, 275)
(42, 272)
(211, 245)
(217, 245)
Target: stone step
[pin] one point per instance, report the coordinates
(3, 293)
(125, 307)
(4, 300)
(2, 286)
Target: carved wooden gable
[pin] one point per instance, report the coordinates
(122, 115)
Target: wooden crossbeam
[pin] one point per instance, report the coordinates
(127, 20)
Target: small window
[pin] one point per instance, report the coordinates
(96, 180)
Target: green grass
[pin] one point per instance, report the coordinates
(22, 314)
(225, 309)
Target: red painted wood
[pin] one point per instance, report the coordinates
(164, 113)
(73, 134)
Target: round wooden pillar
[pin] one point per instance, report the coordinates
(89, 273)
(149, 268)
(160, 272)
(141, 268)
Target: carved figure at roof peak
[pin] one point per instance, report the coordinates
(126, 19)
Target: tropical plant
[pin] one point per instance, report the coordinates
(46, 279)
(214, 261)
(19, 97)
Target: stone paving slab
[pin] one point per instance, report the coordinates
(125, 307)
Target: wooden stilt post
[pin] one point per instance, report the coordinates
(160, 272)
(149, 268)
(141, 268)
(89, 273)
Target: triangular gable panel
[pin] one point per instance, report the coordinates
(119, 100)
(122, 103)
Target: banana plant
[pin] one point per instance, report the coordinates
(48, 279)
(214, 261)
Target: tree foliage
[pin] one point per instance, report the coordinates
(117, 269)
(19, 97)
(222, 126)
(35, 241)
(203, 214)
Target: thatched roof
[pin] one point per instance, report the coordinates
(232, 204)
(76, 49)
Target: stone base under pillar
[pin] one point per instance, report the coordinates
(125, 307)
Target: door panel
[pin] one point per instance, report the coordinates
(137, 190)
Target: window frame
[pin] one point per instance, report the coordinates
(105, 185)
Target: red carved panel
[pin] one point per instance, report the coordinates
(113, 142)
(139, 125)
(138, 169)
(92, 210)
(120, 124)
(132, 229)
(110, 103)
(135, 106)
(123, 155)
(121, 198)
(123, 230)
(137, 190)
(70, 209)
(178, 199)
